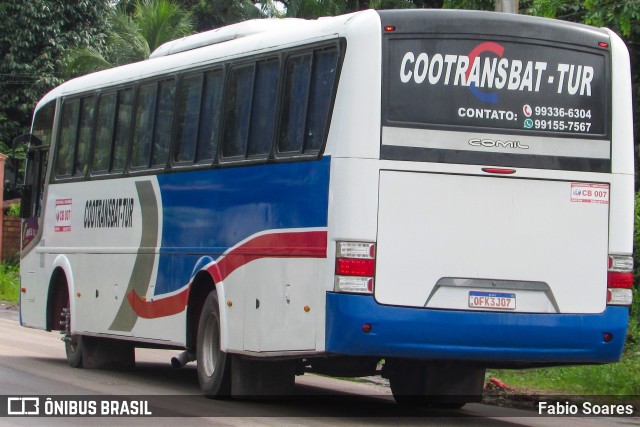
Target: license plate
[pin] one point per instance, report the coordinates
(492, 300)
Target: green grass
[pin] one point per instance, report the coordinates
(613, 379)
(621, 378)
(9, 283)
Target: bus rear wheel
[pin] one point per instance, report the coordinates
(214, 365)
(444, 385)
(73, 344)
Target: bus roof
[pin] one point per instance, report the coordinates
(250, 37)
(224, 34)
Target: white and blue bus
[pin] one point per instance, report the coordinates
(420, 194)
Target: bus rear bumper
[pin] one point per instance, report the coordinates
(494, 338)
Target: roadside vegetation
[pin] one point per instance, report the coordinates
(9, 283)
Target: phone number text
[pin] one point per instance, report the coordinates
(561, 125)
(572, 113)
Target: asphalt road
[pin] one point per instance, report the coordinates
(32, 362)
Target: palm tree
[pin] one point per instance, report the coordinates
(132, 37)
(310, 9)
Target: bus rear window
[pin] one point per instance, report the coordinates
(497, 86)
(496, 100)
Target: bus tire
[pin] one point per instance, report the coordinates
(435, 384)
(73, 344)
(73, 347)
(214, 365)
(96, 353)
(407, 382)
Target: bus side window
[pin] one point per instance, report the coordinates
(164, 119)
(325, 64)
(294, 103)
(87, 114)
(123, 129)
(104, 132)
(143, 128)
(237, 111)
(263, 108)
(68, 134)
(188, 116)
(209, 135)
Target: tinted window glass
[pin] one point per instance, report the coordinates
(294, 103)
(123, 129)
(87, 114)
(263, 108)
(68, 133)
(210, 123)
(143, 132)
(43, 122)
(324, 73)
(237, 111)
(37, 160)
(188, 112)
(104, 132)
(164, 119)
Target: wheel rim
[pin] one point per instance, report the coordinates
(210, 345)
(71, 341)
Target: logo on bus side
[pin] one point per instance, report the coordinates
(109, 213)
(63, 215)
(496, 143)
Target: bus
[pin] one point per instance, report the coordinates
(417, 194)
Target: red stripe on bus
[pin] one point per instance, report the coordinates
(310, 244)
(158, 308)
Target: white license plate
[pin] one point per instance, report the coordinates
(492, 300)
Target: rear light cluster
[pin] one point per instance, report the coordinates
(620, 280)
(355, 267)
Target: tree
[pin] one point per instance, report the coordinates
(211, 14)
(134, 32)
(34, 36)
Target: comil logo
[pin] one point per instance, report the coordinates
(23, 406)
(496, 143)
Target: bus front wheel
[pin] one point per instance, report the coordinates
(95, 353)
(214, 365)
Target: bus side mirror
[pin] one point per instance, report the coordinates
(25, 202)
(12, 175)
(11, 168)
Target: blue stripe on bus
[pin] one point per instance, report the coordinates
(207, 212)
(472, 335)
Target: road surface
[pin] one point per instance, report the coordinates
(32, 362)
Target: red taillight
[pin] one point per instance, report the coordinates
(389, 28)
(603, 45)
(620, 280)
(355, 267)
(499, 171)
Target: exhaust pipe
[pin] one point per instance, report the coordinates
(182, 359)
